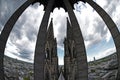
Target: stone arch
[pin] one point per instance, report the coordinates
(39, 56)
(6, 32)
(112, 28)
(41, 38)
(82, 71)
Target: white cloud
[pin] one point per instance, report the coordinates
(90, 24)
(24, 33)
(59, 22)
(93, 27)
(61, 61)
(102, 3)
(108, 36)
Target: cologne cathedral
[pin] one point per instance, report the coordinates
(51, 58)
(75, 59)
(52, 71)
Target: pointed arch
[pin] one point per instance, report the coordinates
(47, 53)
(6, 32)
(39, 56)
(82, 66)
(112, 28)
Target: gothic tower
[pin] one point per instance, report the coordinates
(79, 48)
(70, 65)
(51, 58)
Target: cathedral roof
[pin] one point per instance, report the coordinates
(61, 77)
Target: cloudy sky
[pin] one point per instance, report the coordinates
(97, 38)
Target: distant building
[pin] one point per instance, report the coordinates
(94, 58)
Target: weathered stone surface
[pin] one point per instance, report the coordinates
(103, 69)
(111, 75)
(79, 45)
(111, 65)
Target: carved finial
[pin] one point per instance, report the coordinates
(50, 33)
(69, 30)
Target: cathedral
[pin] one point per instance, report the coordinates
(51, 58)
(75, 59)
(70, 65)
(52, 71)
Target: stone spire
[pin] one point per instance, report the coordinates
(67, 39)
(50, 32)
(52, 40)
(69, 30)
(66, 51)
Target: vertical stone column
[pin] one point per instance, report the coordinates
(82, 66)
(6, 32)
(112, 27)
(40, 44)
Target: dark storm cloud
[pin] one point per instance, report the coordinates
(20, 50)
(23, 35)
(26, 25)
(7, 8)
(18, 27)
(25, 53)
(25, 31)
